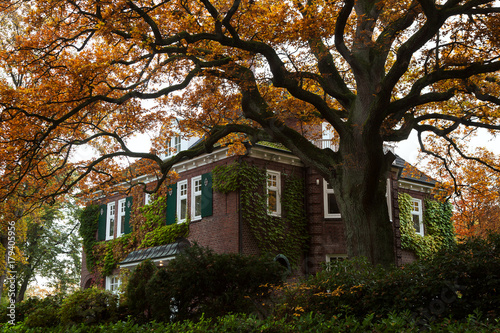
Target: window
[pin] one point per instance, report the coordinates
(182, 201)
(331, 208)
(110, 221)
(174, 146)
(273, 193)
(113, 284)
(147, 199)
(121, 217)
(416, 213)
(196, 198)
(332, 259)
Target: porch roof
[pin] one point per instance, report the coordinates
(156, 253)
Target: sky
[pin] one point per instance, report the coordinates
(409, 149)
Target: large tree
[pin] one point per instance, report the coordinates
(473, 186)
(232, 69)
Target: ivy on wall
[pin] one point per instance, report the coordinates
(437, 223)
(148, 230)
(89, 219)
(286, 234)
(165, 234)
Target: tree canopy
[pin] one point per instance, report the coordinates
(78, 73)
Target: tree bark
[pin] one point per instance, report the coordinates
(360, 188)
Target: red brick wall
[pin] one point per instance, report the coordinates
(327, 234)
(220, 232)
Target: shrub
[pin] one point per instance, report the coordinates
(453, 284)
(43, 317)
(135, 293)
(200, 281)
(89, 306)
(31, 305)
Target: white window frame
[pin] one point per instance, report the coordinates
(147, 199)
(327, 191)
(110, 216)
(416, 210)
(182, 195)
(113, 284)
(276, 188)
(120, 217)
(331, 258)
(195, 194)
(174, 143)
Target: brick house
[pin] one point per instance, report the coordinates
(216, 220)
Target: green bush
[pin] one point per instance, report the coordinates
(200, 281)
(452, 284)
(135, 293)
(43, 317)
(306, 323)
(32, 305)
(89, 306)
(160, 296)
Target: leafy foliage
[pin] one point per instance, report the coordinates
(476, 195)
(454, 283)
(90, 306)
(232, 70)
(89, 220)
(234, 323)
(439, 232)
(201, 283)
(138, 301)
(287, 234)
(165, 234)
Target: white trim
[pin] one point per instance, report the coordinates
(182, 190)
(120, 217)
(110, 220)
(389, 198)
(415, 186)
(157, 260)
(270, 154)
(327, 191)
(416, 210)
(195, 193)
(147, 199)
(220, 154)
(113, 284)
(173, 146)
(335, 257)
(273, 184)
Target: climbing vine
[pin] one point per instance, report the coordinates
(149, 230)
(287, 234)
(89, 219)
(438, 227)
(165, 234)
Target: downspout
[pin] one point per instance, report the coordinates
(306, 253)
(240, 214)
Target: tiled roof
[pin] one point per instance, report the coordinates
(409, 172)
(166, 251)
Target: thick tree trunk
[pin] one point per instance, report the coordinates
(24, 286)
(360, 187)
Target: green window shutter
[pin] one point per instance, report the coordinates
(101, 228)
(128, 210)
(206, 195)
(171, 204)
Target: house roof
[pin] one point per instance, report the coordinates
(411, 173)
(156, 253)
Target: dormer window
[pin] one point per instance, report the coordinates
(174, 146)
